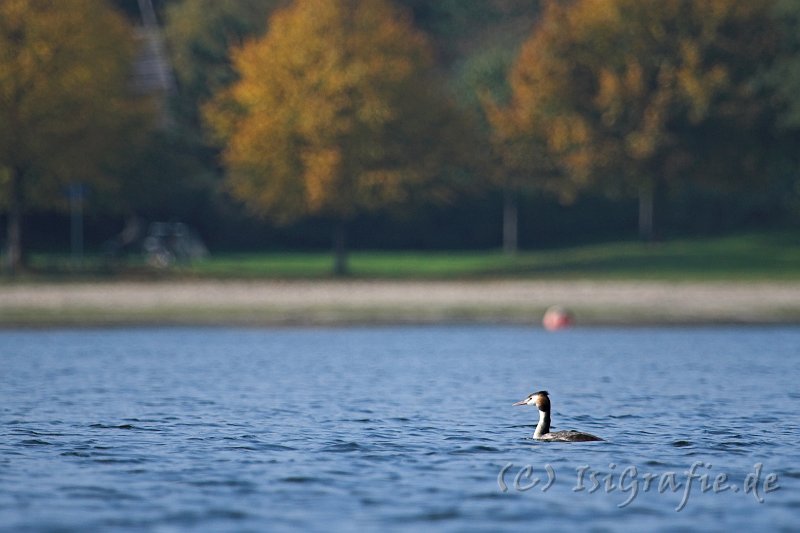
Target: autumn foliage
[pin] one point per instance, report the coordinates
(330, 111)
(332, 115)
(636, 94)
(64, 82)
(338, 112)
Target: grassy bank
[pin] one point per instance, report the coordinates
(750, 257)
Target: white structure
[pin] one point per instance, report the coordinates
(152, 72)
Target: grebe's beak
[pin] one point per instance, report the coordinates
(522, 402)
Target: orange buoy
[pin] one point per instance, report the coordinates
(556, 318)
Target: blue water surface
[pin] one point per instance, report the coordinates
(398, 428)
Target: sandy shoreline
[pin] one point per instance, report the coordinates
(371, 302)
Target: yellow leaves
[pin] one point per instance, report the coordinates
(222, 115)
(64, 78)
(612, 85)
(698, 82)
(322, 169)
(608, 97)
(566, 131)
(314, 111)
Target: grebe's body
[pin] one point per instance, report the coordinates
(542, 401)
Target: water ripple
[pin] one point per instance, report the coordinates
(251, 430)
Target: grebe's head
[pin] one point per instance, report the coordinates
(539, 399)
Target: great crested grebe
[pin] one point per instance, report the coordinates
(542, 401)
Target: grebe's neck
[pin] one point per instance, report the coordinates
(544, 424)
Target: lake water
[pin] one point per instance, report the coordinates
(406, 428)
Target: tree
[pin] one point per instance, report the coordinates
(482, 82)
(784, 75)
(333, 115)
(522, 164)
(64, 107)
(459, 29)
(478, 42)
(201, 34)
(632, 94)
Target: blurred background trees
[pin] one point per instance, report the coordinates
(66, 108)
(334, 114)
(200, 36)
(637, 95)
(539, 122)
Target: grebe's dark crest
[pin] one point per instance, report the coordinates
(541, 400)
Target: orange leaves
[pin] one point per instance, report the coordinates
(314, 115)
(322, 169)
(64, 89)
(612, 87)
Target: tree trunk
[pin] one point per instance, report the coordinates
(340, 248)
(76, 223)
(14, 230)
(510, 223)
(646, 212)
